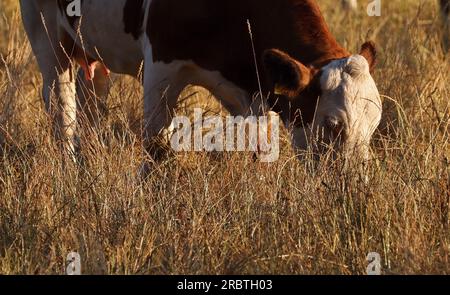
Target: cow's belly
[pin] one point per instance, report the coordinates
(104, 37)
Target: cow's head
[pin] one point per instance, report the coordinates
(336, 107)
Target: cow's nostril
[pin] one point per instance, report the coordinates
(335, 125)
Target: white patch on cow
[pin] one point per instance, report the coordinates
(350, 98)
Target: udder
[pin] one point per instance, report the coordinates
(89, 64)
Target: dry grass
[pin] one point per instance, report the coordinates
(206, 214)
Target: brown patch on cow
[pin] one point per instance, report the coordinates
(214, 35)
(369, 51)
(133, 17)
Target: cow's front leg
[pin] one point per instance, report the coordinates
(163, 83)
(158, 112)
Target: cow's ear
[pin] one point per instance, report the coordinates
(289, 76)
(369, 51)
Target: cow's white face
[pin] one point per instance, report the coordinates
(348, 110)
(347, 106)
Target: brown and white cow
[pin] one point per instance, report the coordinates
(322, 93)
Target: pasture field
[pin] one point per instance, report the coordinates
(201, 213)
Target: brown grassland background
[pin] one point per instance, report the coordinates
(224, 213)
